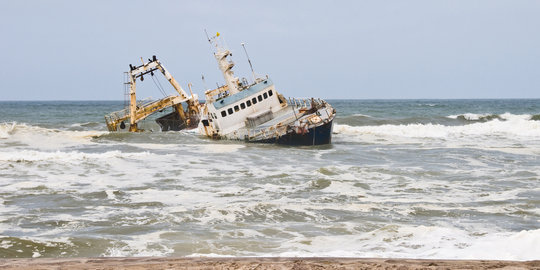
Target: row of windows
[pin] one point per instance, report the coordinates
(248, 103)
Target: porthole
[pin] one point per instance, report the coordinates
(223, 113)
(242, 105)
(248, 103)
(259, 98)
(254, 100)
(265, 95)
(236, 108)
(230, 111)
(270, 93)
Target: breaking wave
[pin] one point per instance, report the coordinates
(60, 156)
(45, 138)
(503, 127)
(489, 117)
(423, 242)
(71, 189)
(6, 129)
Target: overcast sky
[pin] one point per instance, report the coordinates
(78, 50)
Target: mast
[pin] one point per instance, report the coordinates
(249, 61)
(225, 65)
(132, 104)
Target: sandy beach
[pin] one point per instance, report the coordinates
(259, 263)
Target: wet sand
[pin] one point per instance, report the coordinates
(259, 263)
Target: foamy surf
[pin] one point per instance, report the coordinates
(488, 117)
(6, 129)
(420, 242)
(514, 127)
(405, 181)
(46, 138)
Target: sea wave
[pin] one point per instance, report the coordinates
(484, 117)
(32, 156)
(361, 115)
(423, 242)
(46, 138)
(513, 125)
(6, 129)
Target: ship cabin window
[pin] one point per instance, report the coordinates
(230, 111)
(248, 103)
(254, 100)
(236, 108)
(223, 113)
(265, 95)
(242, 105)
(260, 98)
(270, 93)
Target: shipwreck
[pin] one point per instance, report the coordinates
(238, 110)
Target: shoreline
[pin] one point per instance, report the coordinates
(137, 263)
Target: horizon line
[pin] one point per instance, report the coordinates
(507, 98)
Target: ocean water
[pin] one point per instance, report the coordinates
(439, 179)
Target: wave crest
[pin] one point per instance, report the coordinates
(6, 129)
(479, 117)
(511, 128)
(46, 138)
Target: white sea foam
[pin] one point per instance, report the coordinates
(213, 255)
(469, 116)
(515, 129)
(220, 148)
(478, 116)
(5, 244)
(424, 242)
(495, 127)
(144, 245)
(361, 115)
(61, 156)
(110, 194)
(6, 129)
(45, 138)
(172, 197)
(326, 202)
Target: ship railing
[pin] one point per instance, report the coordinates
(279, 129)
(113, 118)
(305, 102)
(273, 131)
(146, 102)
(125, 112)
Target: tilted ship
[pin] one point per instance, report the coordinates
(238, 110)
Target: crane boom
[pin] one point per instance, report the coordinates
(138, 112)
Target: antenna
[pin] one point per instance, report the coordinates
(204, 82)
(249, 61)
(207, 36)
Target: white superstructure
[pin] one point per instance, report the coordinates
(257, 112)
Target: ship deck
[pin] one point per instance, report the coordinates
(283, 117)
(281, 122)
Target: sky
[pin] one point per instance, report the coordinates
(79, 50)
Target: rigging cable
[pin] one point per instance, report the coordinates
(158, 85)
